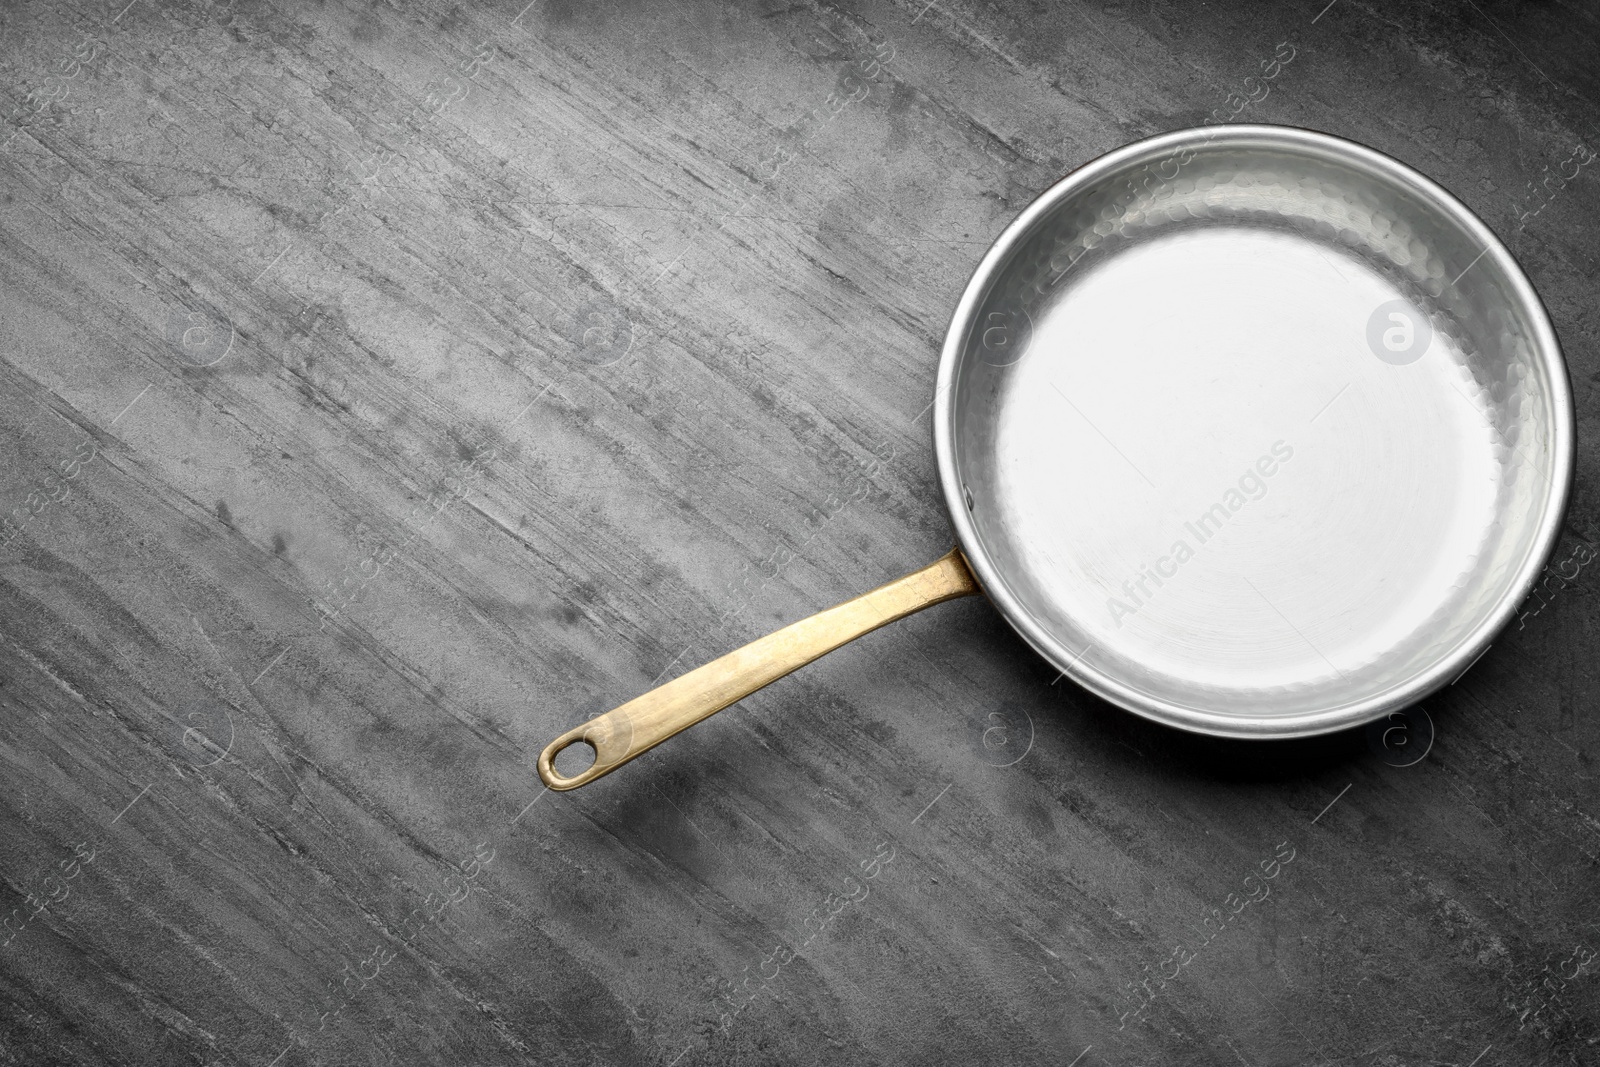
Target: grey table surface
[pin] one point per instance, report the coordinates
(391, 386)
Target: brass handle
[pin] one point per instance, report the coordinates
(644, 722)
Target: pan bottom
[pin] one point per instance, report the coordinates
(1242, 471)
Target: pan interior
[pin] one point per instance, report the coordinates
(1257, 438)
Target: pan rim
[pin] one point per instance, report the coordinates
(1447, 667)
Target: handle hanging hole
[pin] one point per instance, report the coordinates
(575, 758)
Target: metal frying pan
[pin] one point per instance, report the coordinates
(1253, 431)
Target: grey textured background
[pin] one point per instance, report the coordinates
(390, 386)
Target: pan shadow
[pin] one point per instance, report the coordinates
(1230, 760)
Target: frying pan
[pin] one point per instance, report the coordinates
(1250, 430)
